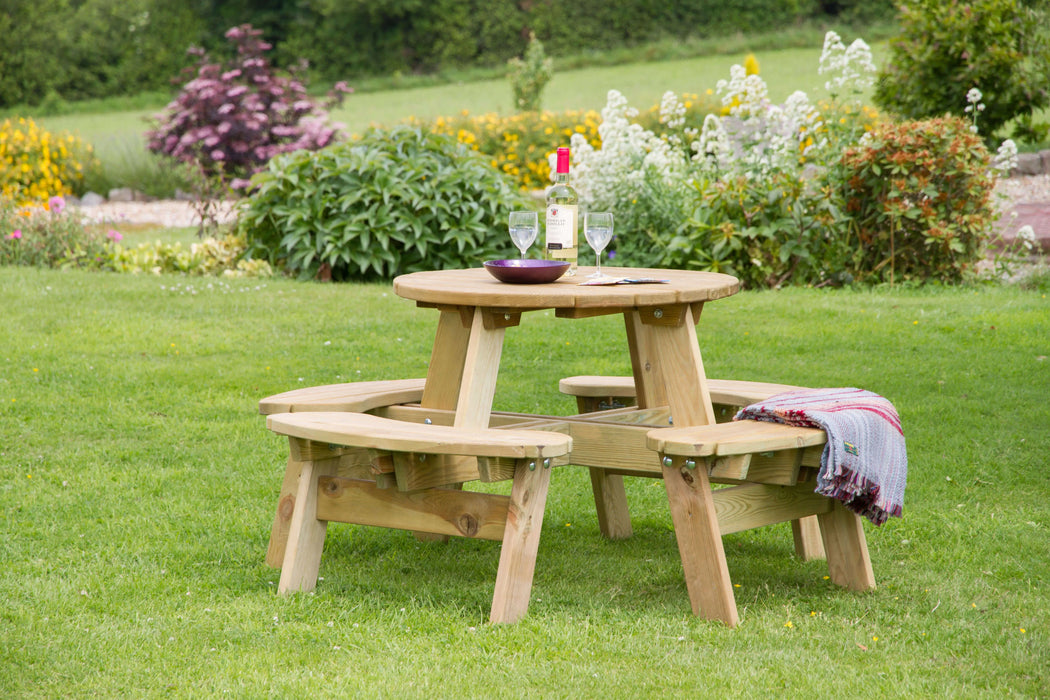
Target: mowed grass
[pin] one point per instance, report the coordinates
(138, 483)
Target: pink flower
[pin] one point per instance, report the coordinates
(15, 235)
(57, 204)
(114, 236)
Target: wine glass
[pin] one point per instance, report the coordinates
(598, 228)
(524, 226)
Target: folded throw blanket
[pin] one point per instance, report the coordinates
(864, 464)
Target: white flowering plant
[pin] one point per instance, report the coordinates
(635, 173)
(762, 191)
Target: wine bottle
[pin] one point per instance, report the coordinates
(562, 229)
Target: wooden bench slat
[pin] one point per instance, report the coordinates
(723, 391)
(354, 396)
(373, 432)
(734, 438)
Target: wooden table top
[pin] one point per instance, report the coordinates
(476, 287)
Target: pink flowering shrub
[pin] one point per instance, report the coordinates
(232, 119)
(49, 236)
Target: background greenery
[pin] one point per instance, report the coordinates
(117, 136)
(73, 49)
(137, 487)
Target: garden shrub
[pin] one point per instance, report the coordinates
(1001, 47)
(528, 76)
(391, 202)
(211, 256)
(232, 119)
(48, 236)
(36, 165)
(919, 196)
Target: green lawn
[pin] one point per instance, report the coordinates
(137, 486)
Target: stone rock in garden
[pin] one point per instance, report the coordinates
(1029, 164)
(126, 194)
(1045, 157)
(183, 196)
(92, 199)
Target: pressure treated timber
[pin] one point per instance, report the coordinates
(374, 432)
(439, 511)
(734, 438)
(358, 397)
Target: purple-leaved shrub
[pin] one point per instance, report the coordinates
(231, 119)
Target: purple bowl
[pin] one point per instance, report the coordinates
(526, 271)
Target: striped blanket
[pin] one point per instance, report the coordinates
(864, 464)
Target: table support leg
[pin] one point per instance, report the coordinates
(521, 542)
(700, 542)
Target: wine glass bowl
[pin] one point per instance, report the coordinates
(524, 227)
(598, 228)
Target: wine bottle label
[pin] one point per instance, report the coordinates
(561, 226)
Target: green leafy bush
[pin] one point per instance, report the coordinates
(212, 256)
(1001, 47)
(394, 201)
(919, 195)
(765, 231)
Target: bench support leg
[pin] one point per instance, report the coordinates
(521, 542)
(283, 517)
(302, 557)
(808, 542)
(610, 497)
(610, 501)
(700, 542)
(848, 562)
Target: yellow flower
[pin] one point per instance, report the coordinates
(751, 64)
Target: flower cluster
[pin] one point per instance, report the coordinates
(518, 145)
(852, 69)
(629, 155)
(36, 164)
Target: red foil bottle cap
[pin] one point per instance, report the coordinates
(563, 160)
